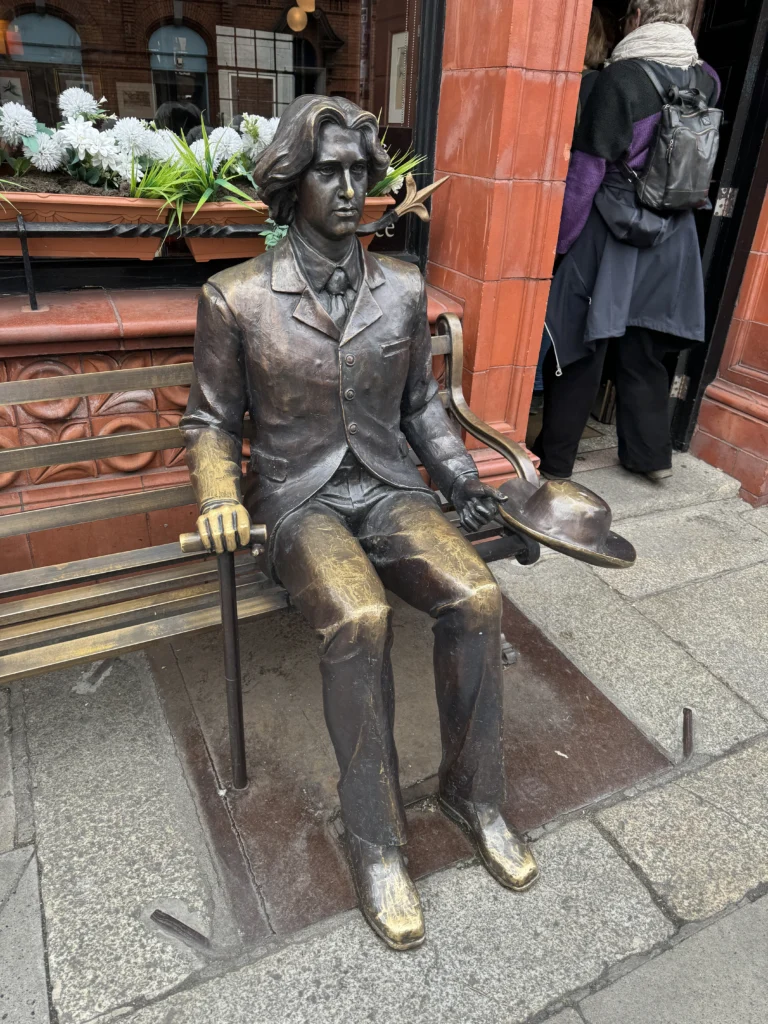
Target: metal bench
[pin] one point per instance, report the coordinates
(94, 608)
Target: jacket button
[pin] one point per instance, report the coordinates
(349, 360)
(349, 394)
(352, 428)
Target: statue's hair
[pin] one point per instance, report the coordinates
(280, 167)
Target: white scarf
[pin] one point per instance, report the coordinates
(659, 41)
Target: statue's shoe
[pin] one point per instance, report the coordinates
(387, 896)
(506, 857)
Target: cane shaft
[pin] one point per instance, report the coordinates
(226, 564)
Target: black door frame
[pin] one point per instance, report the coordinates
(431, 34)
(742, 189)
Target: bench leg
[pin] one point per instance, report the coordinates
(228, 594)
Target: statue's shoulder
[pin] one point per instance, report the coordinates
(397, 272)
(249, 276)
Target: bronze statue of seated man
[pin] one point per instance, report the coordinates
(328, 348)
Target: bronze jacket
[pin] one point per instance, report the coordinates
(264, 344)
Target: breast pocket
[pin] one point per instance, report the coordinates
(394, 348)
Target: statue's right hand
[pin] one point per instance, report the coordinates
(223, 525)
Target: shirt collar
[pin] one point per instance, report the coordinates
(318, 268)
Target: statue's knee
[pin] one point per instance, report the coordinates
(368, 623)
(482, 605)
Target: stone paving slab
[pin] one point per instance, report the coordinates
(647, 675)
(703, 841)
(596, 458)
(490, 955)
(686, 545)
(118, 837)
(23, 988)
(724, 623)
(717, 976)
(566, 1017)
(629, 494)
(737, 785)
(7, 809)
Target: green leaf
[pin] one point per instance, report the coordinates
(30, 141)
(233, 188)
(203, 199)
(44, 128)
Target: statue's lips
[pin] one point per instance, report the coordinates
(346, 211)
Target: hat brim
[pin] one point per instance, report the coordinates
(614, 553)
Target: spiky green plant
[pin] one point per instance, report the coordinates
(187, 179)
(401, 165)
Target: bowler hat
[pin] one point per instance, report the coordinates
(567, 517)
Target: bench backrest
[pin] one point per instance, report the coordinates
(448, 344)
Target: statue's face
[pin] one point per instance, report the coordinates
(332, 192)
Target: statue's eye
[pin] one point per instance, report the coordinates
(326, 170)
(358, 170)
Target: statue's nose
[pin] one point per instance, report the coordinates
(348, 192)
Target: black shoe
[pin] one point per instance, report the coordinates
(506, 857)
(388, 898)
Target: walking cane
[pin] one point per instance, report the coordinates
(192, 544)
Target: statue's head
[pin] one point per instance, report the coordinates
(324, 157)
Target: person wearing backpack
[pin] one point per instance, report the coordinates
(631, 268)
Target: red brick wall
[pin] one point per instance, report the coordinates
(511, 75)
(732, 431)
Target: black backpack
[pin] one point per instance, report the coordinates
(683, 152)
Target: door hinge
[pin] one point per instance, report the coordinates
(726, 200)
(679, 388)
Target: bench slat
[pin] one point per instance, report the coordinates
(62, 452)
(72, 599)
(441, 345)
(20, 664)
(123, 613)
(106, 382)
(100, 567)
(16, 523)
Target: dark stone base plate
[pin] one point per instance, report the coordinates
(278, 841)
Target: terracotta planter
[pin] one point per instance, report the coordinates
(50, 207)
(204, 249)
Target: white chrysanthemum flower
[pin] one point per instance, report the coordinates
(224, 143)
(198, 149)
(397, 184)
(257, 132)
(163, 146)
(125, 165)
(16, 122)
(132, 135)
(50, 152)
(75, 102)
(82, 138)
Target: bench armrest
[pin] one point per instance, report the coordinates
(513, 452)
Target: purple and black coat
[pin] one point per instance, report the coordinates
(602, 286)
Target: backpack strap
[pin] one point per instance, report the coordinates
(660, 89)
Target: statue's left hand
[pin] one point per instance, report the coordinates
(475, 501)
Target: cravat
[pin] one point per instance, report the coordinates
(336, 289)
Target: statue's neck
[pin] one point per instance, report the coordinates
(334, 249)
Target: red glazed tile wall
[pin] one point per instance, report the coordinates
(511, 75)
(732, 430)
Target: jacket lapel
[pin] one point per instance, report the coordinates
(366, 310)
(287, 277)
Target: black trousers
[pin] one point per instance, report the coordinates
(642, 380)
